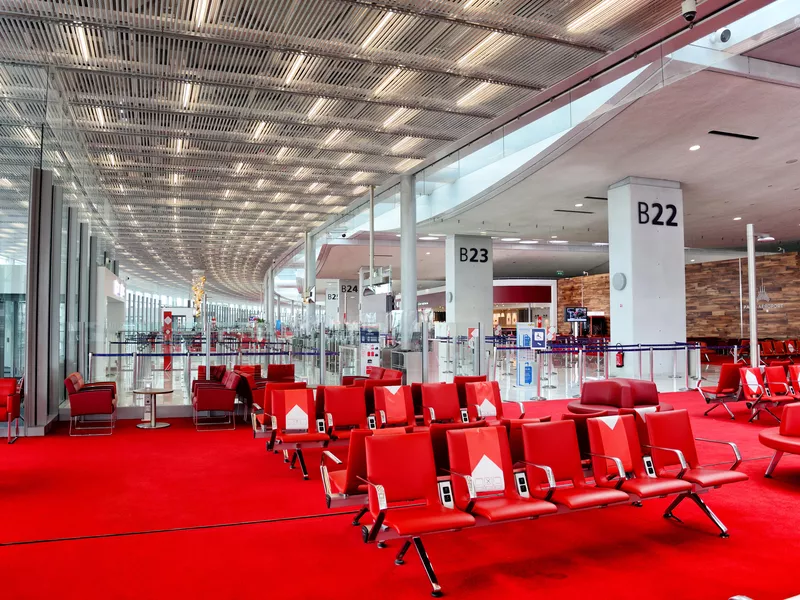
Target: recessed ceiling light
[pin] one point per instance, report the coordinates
(765, 237)
(578, 205)
(694, 148)
(510, 239)
(397, 234)
(737, 218)
(559, 242)
(599, 243)
(428, 238)
(529, 242)
(427, 253)
(553, 237)
(691, 260)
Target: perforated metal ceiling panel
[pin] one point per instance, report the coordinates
(221, 130)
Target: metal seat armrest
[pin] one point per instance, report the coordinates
(551, 480)
(737, 455)
(379, 491)
(785, 385)
(432, 413)
(617, 463)
(383, 418)
(330, 456)
(470, 488)
(676, 452)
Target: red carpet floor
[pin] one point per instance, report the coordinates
(137, 482)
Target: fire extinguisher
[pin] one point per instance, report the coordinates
(620, 357)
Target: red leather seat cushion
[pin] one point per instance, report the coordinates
(338, 481)
(506, 509)
(586, 409)
(645, 487)
(296, 438)
(772, 438)
(587, 497)
(341, 434)
(426, 519)
(713, 477)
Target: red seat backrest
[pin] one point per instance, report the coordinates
(728, 379)
(581, 429)
(483, 400)
(461, 381)
(233, 381)
(270, 388)
(484, 455)
(615, 435)
(403, 465)
(375, 372)
(553, 444)
(345, 407)
(369, 390)
(73, 383)
(394, 406)
(643, 393)
(280, 372)
(752, 383)
(790, 420)
(640, 417)
(8, 387)
(791, 346)
(294, 410)
(357, 458)
(392, 374)
(794, 378)
(441, 455)
(443, 399)
(780, 347)
(606, 392)
(777, 383)
(671, 429)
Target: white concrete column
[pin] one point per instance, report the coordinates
(270, 297)
(311, 279)
(469, 273)
(408, 258)
(647, 269)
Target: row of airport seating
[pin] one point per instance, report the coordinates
(761, 389)
(452, 467)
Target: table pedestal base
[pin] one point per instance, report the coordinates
(152, 425)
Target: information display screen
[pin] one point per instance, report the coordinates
(576, 314)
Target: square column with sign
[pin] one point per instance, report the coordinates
(469, 273)
(647, 271)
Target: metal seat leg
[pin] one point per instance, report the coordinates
(668, 513)
(360, 514)
(426, 564)
(399, 558)
(299, 454)
(773, 463)
(704, 507)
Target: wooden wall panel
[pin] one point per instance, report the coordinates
(712, 297)
(595, 297)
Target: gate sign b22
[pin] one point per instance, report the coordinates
(656, 213)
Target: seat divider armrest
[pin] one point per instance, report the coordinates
(551, 480)
(678, 453)
(737, 455)
(617, 463)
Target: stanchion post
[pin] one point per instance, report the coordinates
(135, 369)
(652, 363)
(322, 355)
(698, 362)
(675, 363)
(538, 359)
(581, 367)
(640, 361)
(735, 354)
(89, 368)
(686, 376)
(425, 353)
(605, 362)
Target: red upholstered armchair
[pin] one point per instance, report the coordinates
(372, 373)
(784, 439)
(280, 373)
(10, 405)
(90, 400)
(213, 399)
(75, 383)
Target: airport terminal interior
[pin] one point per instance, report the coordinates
(398, 298)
